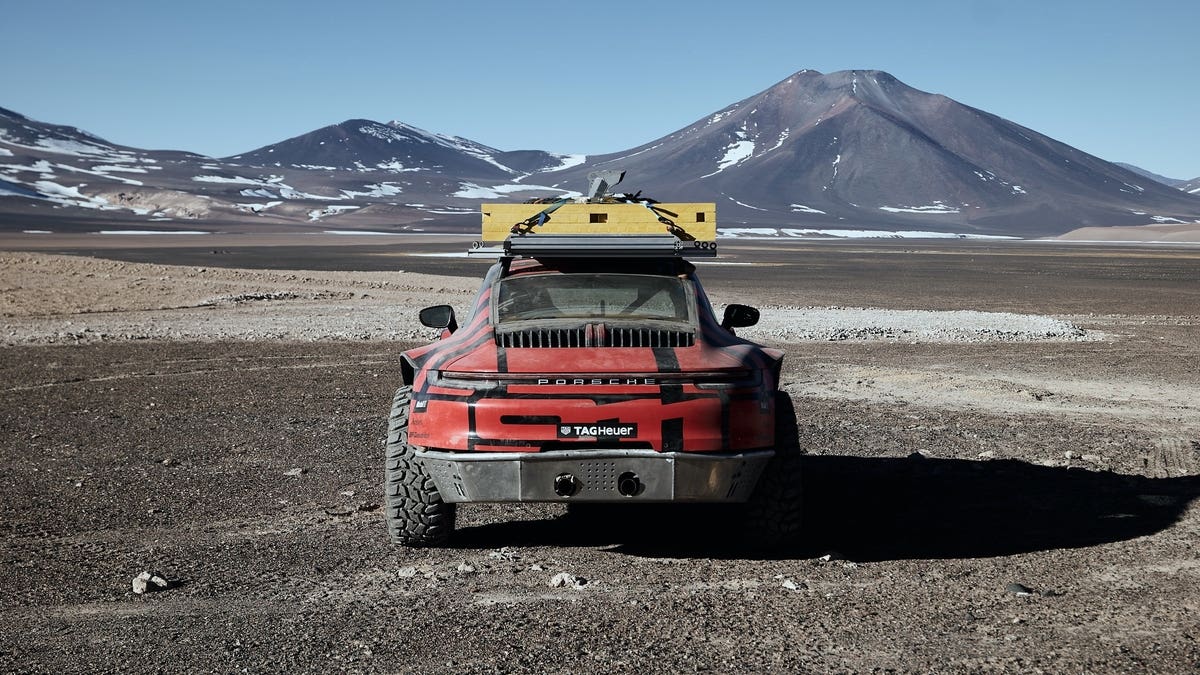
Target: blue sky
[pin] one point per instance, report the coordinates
(1116, 79)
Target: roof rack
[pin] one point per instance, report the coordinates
(596, 246)
(567, 228)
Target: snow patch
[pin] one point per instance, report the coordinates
(473, 191)
(258, 192)
(783, 136)
(395, 166)
(375, 190)
(332, 210)
(937, 207)
(735, 153)
(99, 174)
(769, 232)
(745, 205)
(800, 208)
(258, 208)
(70, 196)
(735, 232)
(564, 162)
(123, 169)
(718, 117)
(236, 180)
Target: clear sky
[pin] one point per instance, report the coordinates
(1116, 79)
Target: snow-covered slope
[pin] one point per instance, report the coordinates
(849, 151)
(857, 148)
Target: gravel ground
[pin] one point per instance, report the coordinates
(974, 502)
(52, 299)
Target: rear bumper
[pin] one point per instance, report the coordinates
(594, 475)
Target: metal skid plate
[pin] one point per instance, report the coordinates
(530, 477)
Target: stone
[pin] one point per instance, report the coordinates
(565, 580)
(1019, 590)
(298, 471)
(504, 553)
(148, 582)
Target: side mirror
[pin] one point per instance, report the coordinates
(439, 316)
(739, 316)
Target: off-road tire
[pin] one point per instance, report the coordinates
(772, 517)
(414, 510)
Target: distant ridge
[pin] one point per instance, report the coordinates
(847, 151)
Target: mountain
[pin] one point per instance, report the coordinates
(357, 173)
(851, 150)
(1189, 186)
(860, 148)
(1173, 182)
(364, 145)
(54, 173)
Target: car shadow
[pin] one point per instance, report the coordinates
(872, 509)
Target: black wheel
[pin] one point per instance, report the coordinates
(414, 511)
(773, 514)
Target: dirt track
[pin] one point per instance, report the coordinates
(939, 475)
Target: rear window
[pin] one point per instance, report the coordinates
(592, 296)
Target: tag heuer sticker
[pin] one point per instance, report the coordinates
(598, 430)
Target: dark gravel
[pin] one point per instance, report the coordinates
(171, 457)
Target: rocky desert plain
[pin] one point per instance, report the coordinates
(1002, 438)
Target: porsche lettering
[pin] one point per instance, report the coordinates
(595, 381)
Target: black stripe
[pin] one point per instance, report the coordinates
(667, 362)
(725, 421)
(436, 361)
(665, 359)
(472, 430)
(672, 434)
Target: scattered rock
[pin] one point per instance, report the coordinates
(831, 556)
(536, 568)
(339, 511)
(565, 580)
(504, 553)
(1094, 459)
(1070, 454)
(793, 586)
(148, 582)
(1019, 590)
(298, 471)
(986, 454)
(465, 568)
(406, 572)
(170, 461)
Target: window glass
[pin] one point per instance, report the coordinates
(591, 296)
